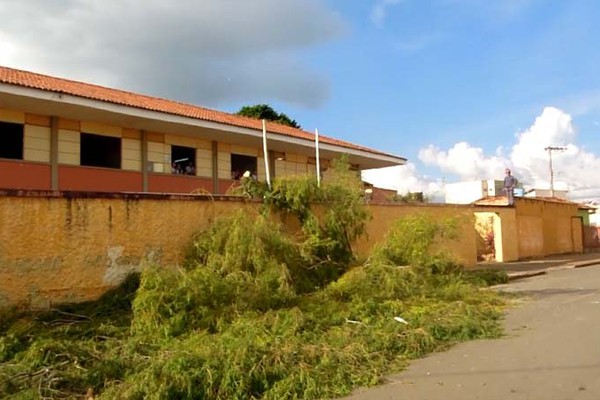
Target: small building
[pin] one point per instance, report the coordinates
(63, 135)
(377, 194)
(547, 193)
(533, 227)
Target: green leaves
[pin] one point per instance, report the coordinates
(260, 310)
(264, 111)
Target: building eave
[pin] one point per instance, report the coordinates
(48, 102)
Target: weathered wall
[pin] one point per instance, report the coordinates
(507, 243)
(464, 249)
(577, 229)
(546, 227)
(57, 247)
(531, 231)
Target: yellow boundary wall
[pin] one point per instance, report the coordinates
(66, 247)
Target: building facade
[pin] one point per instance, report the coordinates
(57, 134)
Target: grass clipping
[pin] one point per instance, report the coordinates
(245, 319)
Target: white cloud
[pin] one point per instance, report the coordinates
(574, 168)
(404, 179)
(379, 11)
(552, 128)
(208, 52)
(463, 160)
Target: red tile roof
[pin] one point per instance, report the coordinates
(503, 201)
(44, 82)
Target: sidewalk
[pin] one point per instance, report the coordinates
(533, 267)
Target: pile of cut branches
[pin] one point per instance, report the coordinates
(259, 312)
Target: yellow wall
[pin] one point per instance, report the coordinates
(59, 249)
(36, 143)
(535, 228)
(463, 250)
(69, 147)
(224, 161)
(131, 154)
(577, 234)
(16, 117)
(159, 154)
(545, 227)
(56, 249)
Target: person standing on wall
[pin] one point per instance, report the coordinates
(510, 182)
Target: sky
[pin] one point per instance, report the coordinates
(461, 88)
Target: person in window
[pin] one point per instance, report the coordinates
(175, 168)
(189, 169)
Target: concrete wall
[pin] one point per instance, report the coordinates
(547, 227)
(62, 246)
(58, 247)
(535, 228)
(463, 249)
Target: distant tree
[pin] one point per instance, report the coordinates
(264, 111)
(410, 197)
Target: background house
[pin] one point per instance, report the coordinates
(536, 192)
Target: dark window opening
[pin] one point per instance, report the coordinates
(183, 160)
(100, 151)
(241, 165)
(11, 140)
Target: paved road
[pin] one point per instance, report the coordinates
(551, 350)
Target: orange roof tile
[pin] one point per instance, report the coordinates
(503, 201)
(90, 91)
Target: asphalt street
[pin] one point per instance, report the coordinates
(551, 350)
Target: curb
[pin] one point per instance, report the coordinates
(587, 263)
(522, 275)
(528, 274)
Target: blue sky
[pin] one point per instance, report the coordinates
(440, 72)
(462, 88)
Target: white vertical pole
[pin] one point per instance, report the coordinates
(266, 154)
(317, 157)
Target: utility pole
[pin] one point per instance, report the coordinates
(550, 149)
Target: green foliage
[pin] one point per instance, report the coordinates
(264, 111)
(332, 216)
(488, 276)
(410, 197)
(240, 263)
(415, 240)
(323, 344)
(259, 312)
(63, 352)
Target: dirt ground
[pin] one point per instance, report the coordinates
(551, 350)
